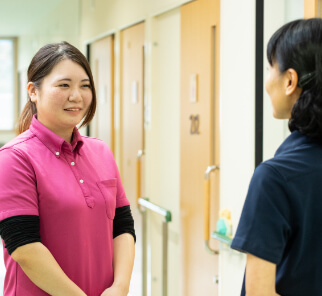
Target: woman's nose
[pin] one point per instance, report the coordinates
(75, 96)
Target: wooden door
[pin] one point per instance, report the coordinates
(132, 130)
(199, 141)
(102, 64)
(312, 8)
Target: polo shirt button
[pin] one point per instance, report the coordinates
(81, 180)
(72, 163)
(57, 153)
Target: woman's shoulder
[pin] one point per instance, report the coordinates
(15, 152)
(93, 141)
(95, 144)
(18, 142)
(296, 163)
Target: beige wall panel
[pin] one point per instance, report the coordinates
(100, 16)
(199, 55)
(132, 128)
(311, 8)
(102, 65)
(132, 104)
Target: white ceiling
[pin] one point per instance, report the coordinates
(16, 16)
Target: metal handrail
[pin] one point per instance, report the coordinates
(155, 208)
(207, 208)
(146, 204)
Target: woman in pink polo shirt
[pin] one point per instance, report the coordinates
(65, 221)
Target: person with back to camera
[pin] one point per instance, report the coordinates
(280, 225)
(65, 221)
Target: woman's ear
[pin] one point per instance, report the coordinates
(32, 92)
(291, 82)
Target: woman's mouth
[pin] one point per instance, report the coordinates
(72, 109)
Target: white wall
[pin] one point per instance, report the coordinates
(35, 26)
(277, 13)
(237, 119)
(237, 113)
(163, 144)
(59, 24)
(2, 272)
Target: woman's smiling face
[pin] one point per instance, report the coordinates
(63, 97)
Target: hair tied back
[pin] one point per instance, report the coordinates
(306, 79)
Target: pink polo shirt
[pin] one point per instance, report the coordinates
(74, 189)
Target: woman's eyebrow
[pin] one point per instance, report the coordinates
(68, 79)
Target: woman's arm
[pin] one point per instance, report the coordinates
(260, 277)
(43, 270)
(123, 260)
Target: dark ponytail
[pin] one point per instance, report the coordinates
(42, 64)
(298, 45)
(26, 116)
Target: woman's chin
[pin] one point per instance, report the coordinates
(281, 116)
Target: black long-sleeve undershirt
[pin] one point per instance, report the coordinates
(21, 230)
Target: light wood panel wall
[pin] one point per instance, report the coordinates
(200, 39)
(132, 130)
(311, 8)
(102, 64)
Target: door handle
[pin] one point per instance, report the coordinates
(138, 175)
(207, 208)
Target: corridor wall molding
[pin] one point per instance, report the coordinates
(259, 82)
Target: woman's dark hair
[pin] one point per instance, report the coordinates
(42, 64)
(298, 45)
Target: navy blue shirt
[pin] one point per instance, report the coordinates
(281, 221)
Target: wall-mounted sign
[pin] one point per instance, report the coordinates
(194, 127)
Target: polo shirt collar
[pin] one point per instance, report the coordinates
(54, 142)
(294, 140)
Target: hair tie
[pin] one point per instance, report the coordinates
(306, 79)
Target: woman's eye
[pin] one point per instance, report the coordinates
(63, 85)
(87, 85)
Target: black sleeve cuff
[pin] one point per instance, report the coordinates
(123, 222)
(19, 230)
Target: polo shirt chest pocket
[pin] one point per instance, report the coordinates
(108, 189)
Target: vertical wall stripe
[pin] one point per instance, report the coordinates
(259, 82)
(88, 54)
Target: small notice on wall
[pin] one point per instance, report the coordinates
(193, 88)
(134, 92)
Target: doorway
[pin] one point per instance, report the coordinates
(200, 42)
